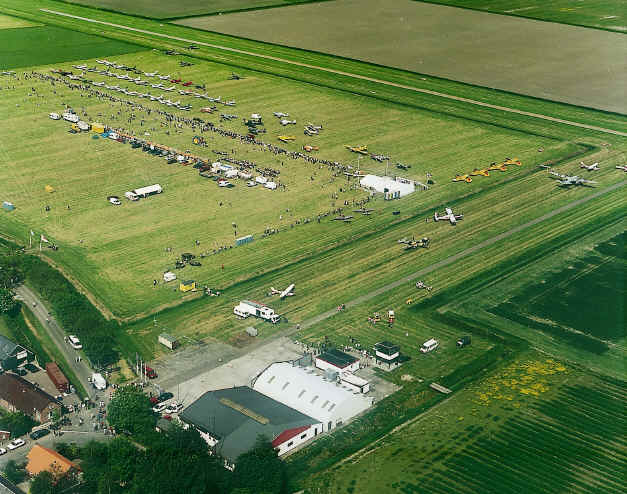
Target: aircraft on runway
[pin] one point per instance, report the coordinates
(345, 219)
(414, 244)
(462, 178)
(568, 180)
(591, 168)
(288, 292)
(450, 216)
(280, 114)
(364, 211)
(622, 167)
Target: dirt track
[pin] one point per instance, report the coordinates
(356, 76)
(581, 66)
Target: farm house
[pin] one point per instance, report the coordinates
(303, 389)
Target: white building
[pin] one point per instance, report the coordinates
(336, 360)
(388, 185)
(356, 383)
(301, 388)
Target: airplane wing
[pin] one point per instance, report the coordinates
(287, 292)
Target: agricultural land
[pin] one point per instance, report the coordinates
(532, 272)
(448, 42)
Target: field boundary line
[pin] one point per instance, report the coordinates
(347, 74)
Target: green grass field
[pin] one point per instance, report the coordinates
(7, 22)
(601, 14)
(185, 8)
(502, 434)
(49, 44)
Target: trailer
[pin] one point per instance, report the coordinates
(148, 191)
(249, 308)
(57, 377)
(99, 382)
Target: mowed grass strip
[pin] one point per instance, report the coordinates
(8, 22)
(163, 9)
(601, 14)
(50, 44)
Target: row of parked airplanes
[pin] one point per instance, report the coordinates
(447, 216)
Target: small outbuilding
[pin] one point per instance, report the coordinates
(387, 353)
(169, 276)
(356, 383)
(8, 206)
(168, 341)
(337, 360)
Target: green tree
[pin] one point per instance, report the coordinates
(7, 300)
(260, 470)
(14, 473)
(43, 483)
(130, 411)
(17, 423)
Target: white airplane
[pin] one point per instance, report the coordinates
(182, 93)
(185, 108)
(450, 216)
(591, 168)
(288, 292)
(622, 167)
(101, 61)
(151, 74)
(99, 84)
(285, 122)
(132, 93)
(232, 103)
(80, 67)
(158, 85)
(280, 114)
(314, 127)
(215, 100)
(163, 77)
(171, 88)
(568, 180)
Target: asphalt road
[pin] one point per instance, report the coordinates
(348, 74)
(38, 308)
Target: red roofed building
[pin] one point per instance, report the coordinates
(291, 438)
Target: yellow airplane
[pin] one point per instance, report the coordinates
(309, 148)
(358, 149)
(286, 138)
(462, 178)
(500, 167)
(483, 172)
(512, 161)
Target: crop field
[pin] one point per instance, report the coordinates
(457, 44)
(128, 250)
(7, 22)
(164, 9)
(30, 46)
(502, 434)
(601, 14)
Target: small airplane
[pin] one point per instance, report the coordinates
(314, 127)
(288, 292)
(462, 178)
(200, 86)
(379, 157)
(414, 244)
(356, 174)
(568, 180)
(477, 171)
(285, 122)
(286, 138)
(171, 88)
(229, 103)
(101, 61)
(358, 149)
(80, 67)
(175, 81)
(309, 148)
(235, 77)
(192, 47)
(208, 109)
(227, 116)
(591, 168)
(187, 84)
(185, 108)
(512, 161)
(215, 100)
(421, 285)
(401, 166)
(450, 216)
(151, 74)
(183, 63)
(99, 84)
(494, 166)
(363, 211)
(622, 167)
(346, 219)
(310, 132)
(280, 114)
(163, 77)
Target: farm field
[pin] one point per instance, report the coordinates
(8, 22)
(456, 44)
(502, 435)
(128, 251)
(601, 14)
(163, 9)
(30, 46)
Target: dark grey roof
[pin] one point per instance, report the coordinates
(7, 348)
(238, 430)
(7, 487)
(387, 347)
(337, 358)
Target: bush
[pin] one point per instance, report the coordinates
(17, 423)
(14, 473)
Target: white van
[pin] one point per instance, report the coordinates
(75, 342)
(429, 346)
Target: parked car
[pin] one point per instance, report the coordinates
(75, 342)
(3, 451)
(39, 433)
(16, 443)
(159, 407)
(173, 408)
(114, 200)
(429, 345)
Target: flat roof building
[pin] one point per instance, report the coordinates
(337, 360)
(387, 352)
(230, 420)
(303, 389)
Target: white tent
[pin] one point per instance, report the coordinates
(387, 184)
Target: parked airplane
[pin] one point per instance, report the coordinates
(450, 216)
(363, 211)
(414, 244)
(462, 178)
(622, 167)
(151, 74)
(568, 180)
(288, 292)
(163, 77)
(171, 88)
(285, 122)
(344, 218)
(280, 114)
(591, 168)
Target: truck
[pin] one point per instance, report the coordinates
(150, 373)
(249, 308)
(57, 377)
(98, 381)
